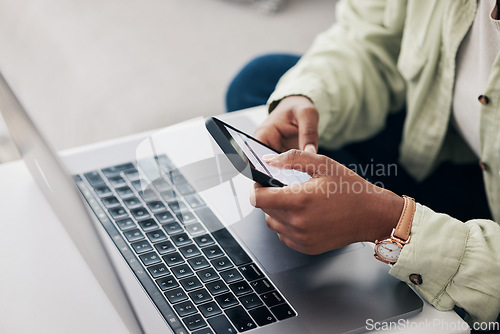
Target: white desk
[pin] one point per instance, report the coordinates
(45, 286)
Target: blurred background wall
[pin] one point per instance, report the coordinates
(89, 70)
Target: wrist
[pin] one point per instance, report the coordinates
(387, 209)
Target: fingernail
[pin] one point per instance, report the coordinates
(252, 196)
(310, 148)
(269, 157)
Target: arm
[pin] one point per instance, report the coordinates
(350, 71)
(459, 263)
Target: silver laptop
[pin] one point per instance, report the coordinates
(168, 235)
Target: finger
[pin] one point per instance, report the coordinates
(307, 120)
(307, 162)
(289, 242)
(272, 197)
(270, 136)
(276, 225)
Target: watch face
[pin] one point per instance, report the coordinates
(388, 251)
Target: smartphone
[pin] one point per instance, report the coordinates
(245, 154)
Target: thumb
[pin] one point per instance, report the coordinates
(310, 163)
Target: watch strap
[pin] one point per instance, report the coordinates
(403, 228)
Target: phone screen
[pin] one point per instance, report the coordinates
(254, 150)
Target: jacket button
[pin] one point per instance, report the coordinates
(484, 166)
(416, 279)
(483, 99)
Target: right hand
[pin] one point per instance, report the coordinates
(293, 124)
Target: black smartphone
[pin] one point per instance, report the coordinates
(245, 154)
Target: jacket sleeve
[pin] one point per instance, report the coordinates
(459, 263)
(350, 72)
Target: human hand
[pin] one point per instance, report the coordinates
(334, 208)
(292, 124)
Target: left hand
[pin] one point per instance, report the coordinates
(336, 207)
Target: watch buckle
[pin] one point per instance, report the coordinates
(397, 240)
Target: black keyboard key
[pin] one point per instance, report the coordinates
(240, 319)
(176, 206)
(110, 201)
(156, 206)
(169, 195)
(150, 258)
(231, 275)
(262, 286)
(132, 202)
(194, 201)
(209, 309)
(173, 228)
(185, 308)
(132, 174)
(161, 185)
(156, 236)
(191, 283)
(139, 185)
(194, 322)
(213, 251)
(95, 179)
(205, 330)
(222, 263)
(158, 270)
(125, 224)
(190, 251)
(230, 245)
(185, 189)
(141, 246)
(204, 240)
(221, 325)
(176, 295)
(199, 263)
(181, 271)
(148, 195)
(283, 311)
(173, 259)
(167, 283)
(240, 288)
(124, 192)
(102, 191)
(180, 239)
(262, 316)
(165, 247)
(140, 213)
(251, 272)
(226, 300)
(251, 301)
(272, 298)
(165, 217)
(116, 170)
(186, 217)
(217, 287)
(133, 235)
(207, 275)
(148, 225)
(117, 181)
(200, 296)
(118, 212)
(195, 229)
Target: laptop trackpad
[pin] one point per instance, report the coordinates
(272, 254)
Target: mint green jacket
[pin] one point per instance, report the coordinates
(379, 56)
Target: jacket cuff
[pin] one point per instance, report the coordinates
(429, 263)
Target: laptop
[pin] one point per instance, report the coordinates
(165, 226)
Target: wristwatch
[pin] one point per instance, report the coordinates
(388, 249)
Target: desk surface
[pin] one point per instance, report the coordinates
(46, 287)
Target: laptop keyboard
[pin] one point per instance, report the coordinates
(201, 281)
